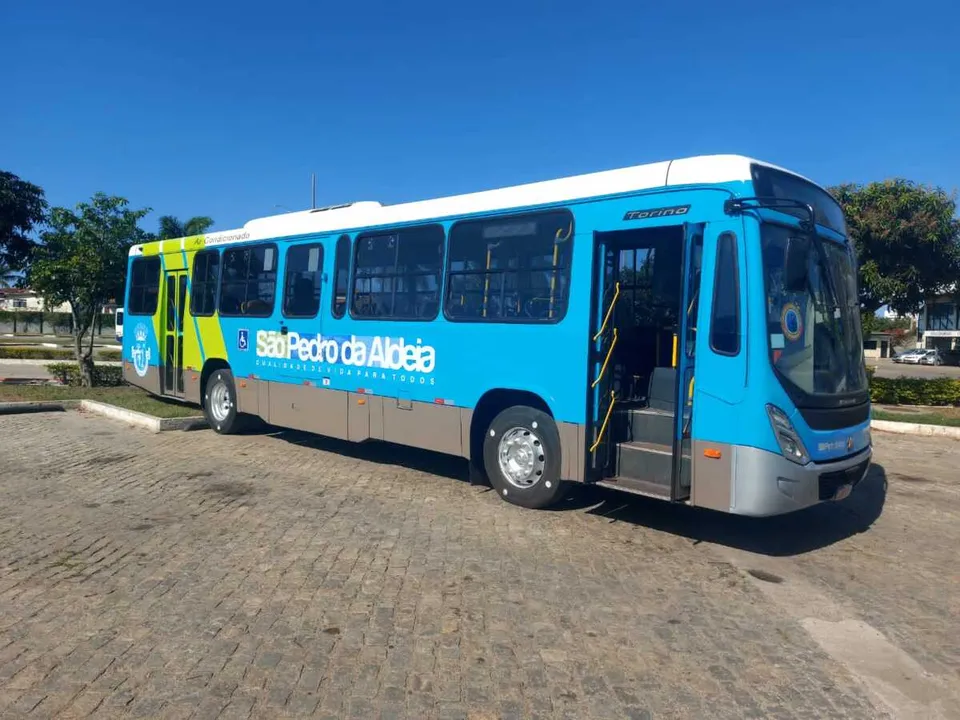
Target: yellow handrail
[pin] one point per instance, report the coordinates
(553, 276)
(486, 281)
(603, 428)
(606, 318)
(603, 368)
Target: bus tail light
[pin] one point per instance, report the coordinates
(787, 437)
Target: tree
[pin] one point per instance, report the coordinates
(22, 209)
(907, 238)
(82, 260)
(171, 227)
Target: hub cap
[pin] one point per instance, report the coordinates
(521, 456)
(220, 404)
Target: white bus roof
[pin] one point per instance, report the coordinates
(701, 170)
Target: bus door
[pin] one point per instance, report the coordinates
(171, 350)
(642, 358)
(684, 359)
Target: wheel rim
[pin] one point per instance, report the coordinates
(522, 457)
(220, 404)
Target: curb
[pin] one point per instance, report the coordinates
(906, 428)
(38, 406)
(139, 419)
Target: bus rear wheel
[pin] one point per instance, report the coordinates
(220, 403)
(521, 456)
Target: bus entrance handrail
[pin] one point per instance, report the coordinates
(606, 318)
(606, 420)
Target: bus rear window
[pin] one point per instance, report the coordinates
(510, 269)
(144, 286)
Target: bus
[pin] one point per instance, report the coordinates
(687, 330)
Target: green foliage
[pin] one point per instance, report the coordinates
(172, 228)
(34, 353)
(70, 374)
(83, 261)
(33, 321)
(890, 324)
(915, 391)
(22, 209)
(907, 238)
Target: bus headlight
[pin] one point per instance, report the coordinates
(790, 443)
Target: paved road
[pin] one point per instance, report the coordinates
(37, 371)
(890, 369)
(192, 575)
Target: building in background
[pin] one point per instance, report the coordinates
(878, 345)
(939, 326)
(26, 300)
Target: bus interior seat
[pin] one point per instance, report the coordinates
(663, 387)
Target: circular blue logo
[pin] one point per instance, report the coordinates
(790, 322)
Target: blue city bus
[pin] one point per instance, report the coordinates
(685, 330)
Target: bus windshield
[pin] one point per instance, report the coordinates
(813, 313)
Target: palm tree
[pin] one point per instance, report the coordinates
(171, 227)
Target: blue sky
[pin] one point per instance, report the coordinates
(225, 108)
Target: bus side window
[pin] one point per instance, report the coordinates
(725, 318)
(301, 287)
(396, 275)
(249, 281)
(510, 269)
(203, 286)
(144, 286)
(341, 276)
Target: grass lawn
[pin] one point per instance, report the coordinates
(126, 397)
(922, 415)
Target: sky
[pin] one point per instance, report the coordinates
(226, 108)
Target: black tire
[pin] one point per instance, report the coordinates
(534, 432)
(232, 421)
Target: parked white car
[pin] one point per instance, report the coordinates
(931, 357)
(908, 356)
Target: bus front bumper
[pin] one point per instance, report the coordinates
(766, 483)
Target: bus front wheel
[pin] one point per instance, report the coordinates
(220, 403)
(521, 455)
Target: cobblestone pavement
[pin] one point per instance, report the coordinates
(193, 575)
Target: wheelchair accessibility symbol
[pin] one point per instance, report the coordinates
(243, 339)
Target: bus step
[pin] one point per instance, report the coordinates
(637, 487)
(650, 462)
(649, 425)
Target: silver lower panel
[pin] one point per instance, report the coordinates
(766, 483)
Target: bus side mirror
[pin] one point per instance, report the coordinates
(795, 264)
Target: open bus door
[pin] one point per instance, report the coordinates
(643, 348)
(685, 360)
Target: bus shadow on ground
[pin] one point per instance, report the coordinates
(382, 453)
(785, 535)
(782, 536)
